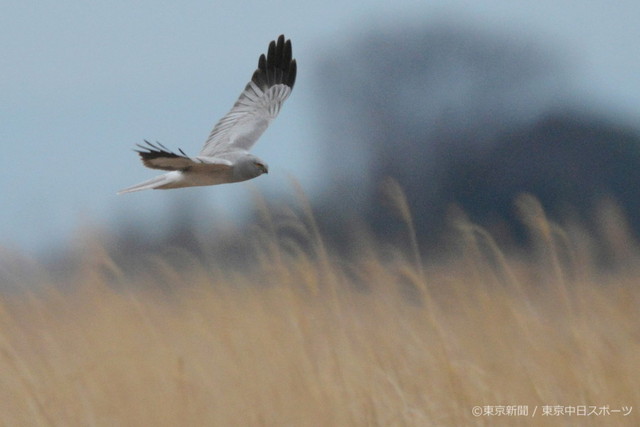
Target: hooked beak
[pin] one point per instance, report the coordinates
(263, 167)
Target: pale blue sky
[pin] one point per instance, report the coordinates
(82, 82)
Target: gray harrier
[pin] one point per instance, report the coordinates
(225, 156)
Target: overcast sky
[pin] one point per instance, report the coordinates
(83, 82)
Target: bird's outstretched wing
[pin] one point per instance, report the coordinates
(258, 104)
(157, 156)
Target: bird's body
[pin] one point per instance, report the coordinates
(225, 157)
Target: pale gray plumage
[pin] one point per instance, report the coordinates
(225, 156)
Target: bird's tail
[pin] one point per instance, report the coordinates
(167, 180)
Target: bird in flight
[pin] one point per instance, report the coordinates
(225, 157)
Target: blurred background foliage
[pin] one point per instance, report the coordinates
(470, 119)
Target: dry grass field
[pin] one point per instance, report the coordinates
(306, 338)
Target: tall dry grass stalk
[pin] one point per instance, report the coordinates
(395, 193)
(276, 345)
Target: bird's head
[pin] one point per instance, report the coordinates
(249, 167)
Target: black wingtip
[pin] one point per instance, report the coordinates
(153, 151)
(278, 66)
(293, 70)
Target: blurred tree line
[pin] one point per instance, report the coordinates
(468, 119)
